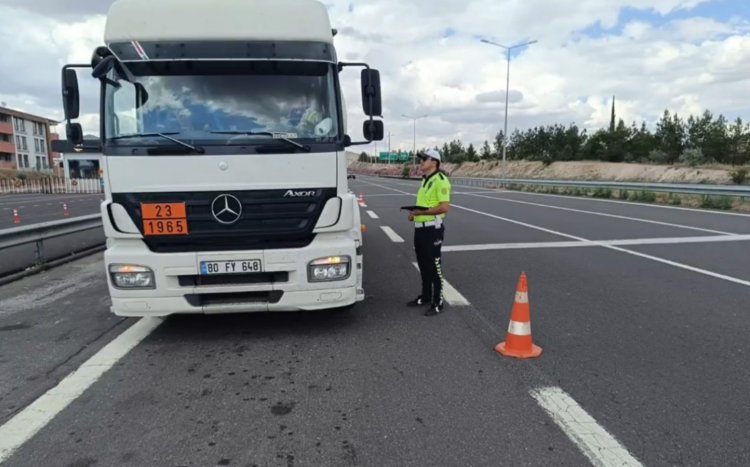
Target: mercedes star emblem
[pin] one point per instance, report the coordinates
(226, 209)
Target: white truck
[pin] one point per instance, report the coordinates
(223, 130)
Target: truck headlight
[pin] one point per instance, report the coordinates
(334, 268)
(131, 276)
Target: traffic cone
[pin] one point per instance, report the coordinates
(16, 217)
(518, 342)
(361, 199)
(66, 213)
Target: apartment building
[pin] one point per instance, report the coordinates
(25, 141)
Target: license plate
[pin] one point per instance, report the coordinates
(231, 267)
(164, 219)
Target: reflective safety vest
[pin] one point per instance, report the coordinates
(435, 189)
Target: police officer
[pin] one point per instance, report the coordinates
(429, 231)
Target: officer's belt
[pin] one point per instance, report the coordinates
(419, 225)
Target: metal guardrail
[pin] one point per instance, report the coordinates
(39, 233)
(741, 191)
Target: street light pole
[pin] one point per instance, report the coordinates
(507, 92)
(414, 143)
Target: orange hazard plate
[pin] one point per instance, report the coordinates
(164, 218)
(165, 227)
(164, 211)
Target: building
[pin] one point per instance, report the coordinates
(26, 141)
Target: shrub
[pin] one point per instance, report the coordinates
(605, 193)
(693, 157)
(739, 175)
(720, 202)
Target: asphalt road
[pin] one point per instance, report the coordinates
(642, 313)
(36, 208)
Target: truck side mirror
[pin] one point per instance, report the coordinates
(141, 95)
(74, 133)
(70, 93)
(373, 130)
(371, 94)
(103, 67)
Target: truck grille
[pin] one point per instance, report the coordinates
(243, 298)
(234, 279)
(270, 220)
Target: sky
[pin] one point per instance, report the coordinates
(683, 55)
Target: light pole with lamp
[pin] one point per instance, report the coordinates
(507, 89)
(414, 149)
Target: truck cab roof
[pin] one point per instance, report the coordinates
(174, 22)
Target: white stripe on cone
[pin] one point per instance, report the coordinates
(519, 329)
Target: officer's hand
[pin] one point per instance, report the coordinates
(411, 216)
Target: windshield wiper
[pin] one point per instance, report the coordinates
(197, 149)
(275, 136)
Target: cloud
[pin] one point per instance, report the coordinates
(432, 62)
(499, 96)
(61, 9)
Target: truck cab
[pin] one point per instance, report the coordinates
(223, 131)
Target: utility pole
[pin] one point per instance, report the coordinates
(507, 90)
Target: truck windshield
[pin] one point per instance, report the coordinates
(212, 103)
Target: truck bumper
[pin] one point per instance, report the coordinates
(282, 286)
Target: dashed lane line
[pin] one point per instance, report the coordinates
(395, 238)
(601, 448)
(451, 295)
(578, 243)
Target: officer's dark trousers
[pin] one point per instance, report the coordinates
(428, 242)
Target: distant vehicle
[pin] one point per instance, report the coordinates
(223, 130)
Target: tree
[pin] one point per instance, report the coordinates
(642, 142)
(486, 151)
(471, 154)
(363, 157)
(696, 140)
(617, 143)
(670, 136)
(498, 143)
(456, 152)
(445, 153)
(739, 143)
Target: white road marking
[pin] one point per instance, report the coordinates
(24, 425)
(615, 248)
(451, 295)
(632, 203)
(390, 188)
(683, 266)
(598, 200)
(603, 245)
(575, 244)
(389, 195)
(372, 215)
(615, 216)
(601, 448)
(386, 194)
(395, 238)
